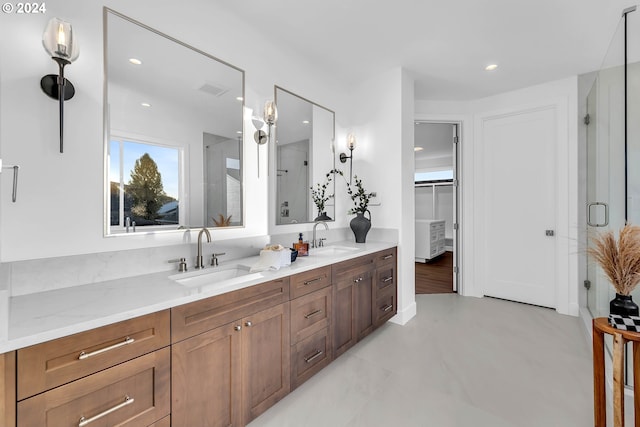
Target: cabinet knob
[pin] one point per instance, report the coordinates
(237, 327)
(248, 324)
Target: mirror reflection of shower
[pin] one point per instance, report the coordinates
(222, 180)
(293, 182)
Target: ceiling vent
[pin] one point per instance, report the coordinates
(213, 89)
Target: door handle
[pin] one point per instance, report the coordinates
(606, 214)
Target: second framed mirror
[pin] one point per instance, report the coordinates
(304, 155)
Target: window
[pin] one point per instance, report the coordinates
(446, 175)
(144, 185)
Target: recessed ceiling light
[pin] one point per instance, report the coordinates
(418, 148)
(135, 61)
(306, 122)
(239, 132)
(491, 67)
(145, 104)
(239, 98)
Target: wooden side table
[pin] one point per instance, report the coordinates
(620, 338)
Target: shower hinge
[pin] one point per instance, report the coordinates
(455, 226)
(587, 284)
(455, 270)
(455, 182)
(587, 119)
(456, 139)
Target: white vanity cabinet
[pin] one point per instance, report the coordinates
(430, 240)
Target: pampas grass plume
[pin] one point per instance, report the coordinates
(620, 260)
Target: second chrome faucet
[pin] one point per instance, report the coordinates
(199, 261)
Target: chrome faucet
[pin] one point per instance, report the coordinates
(315, 243)
(199, 262)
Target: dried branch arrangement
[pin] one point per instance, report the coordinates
(619, 259)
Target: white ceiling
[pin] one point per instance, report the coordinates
(445, 44)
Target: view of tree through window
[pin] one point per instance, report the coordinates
(144, 183)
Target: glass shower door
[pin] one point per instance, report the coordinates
(605, 164)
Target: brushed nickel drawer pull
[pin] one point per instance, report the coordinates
(127, 340)
(248, 324)
(237, 327)
(84, 421)
(358, 280)
(313, 313)
(386, 308)
(317, 354)
(308, 282)
(387, 279)
(388, 257)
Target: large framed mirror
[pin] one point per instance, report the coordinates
(304, 155)
(173, 122)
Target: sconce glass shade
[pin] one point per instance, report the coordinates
(270, 112)
(351, 141)
(59, 42)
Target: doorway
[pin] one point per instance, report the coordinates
(436, 148)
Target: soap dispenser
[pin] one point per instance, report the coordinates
(301, 246)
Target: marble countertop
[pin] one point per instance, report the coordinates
(39, 317)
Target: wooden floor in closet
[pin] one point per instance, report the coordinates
(435, 276)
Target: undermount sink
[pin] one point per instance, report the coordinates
(333, 251)
(223, 276)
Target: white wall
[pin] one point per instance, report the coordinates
(61, 202)
(563, 95)
(384, 160)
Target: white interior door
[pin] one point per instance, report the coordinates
(519, 206)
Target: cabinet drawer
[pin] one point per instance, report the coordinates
(309, 356)
(343, 268)
(134, 393)
(310, 314)
(386, 280)
(45, 366)
(385, 308)
(387, 256)
(310, 281)
(194, 318)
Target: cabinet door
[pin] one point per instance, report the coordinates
(266, 357)
(344, 333)
(363, 298)
(352, 303)
(206, 379)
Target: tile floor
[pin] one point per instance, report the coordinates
(460, 362)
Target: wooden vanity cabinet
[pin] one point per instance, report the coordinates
(230, 374)
(220, 361)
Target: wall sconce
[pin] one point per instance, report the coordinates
(351, 144)
(58, 40)
(270, 117)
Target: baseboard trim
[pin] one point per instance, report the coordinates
(402, 317)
